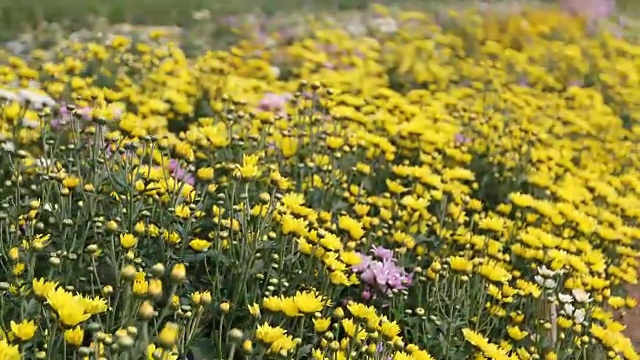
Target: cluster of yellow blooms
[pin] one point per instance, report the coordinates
(435, 187)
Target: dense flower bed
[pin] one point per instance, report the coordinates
(415, 187)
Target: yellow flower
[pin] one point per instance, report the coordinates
(282, 345)
(140, 286)
(24, 330)
(289, 307)
(421, 355)
(205, 174)
(390, 329)
(249, 168)
(352, 226)
(74, 336)
(40, 241)
(331, 242)
(321, 325)
(9, 352)
(127, 241)
(309, 302)
(350, 328)
(516, 333)
(494, 272)
(71, 182)
(182, 211)
(272, 303)
(70, 315)
(172, 238)
(350, 258)
(254, 310)
(289, 146)
(616, 302)
(139, 228)
(41, 287)
(401, 355)
(268, 334)
(199, 245)
(18, 268)
(70, 308)
(93, 305)
(460, 264)
(156, 353)
(14, 254)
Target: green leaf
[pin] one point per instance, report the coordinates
(339, 205)
(220, 257)
(191, 258)
(257, 268)
(304, 351)
(203, 349)
(32, 307)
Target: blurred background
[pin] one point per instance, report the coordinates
(19, 16)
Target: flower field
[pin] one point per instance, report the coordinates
(460, 185)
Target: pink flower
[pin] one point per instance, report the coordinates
(366, 294)
(591, 10)
(460, 139)
(65, 117)
(179, 173)
(274, 102)
(364, 263)
(382, 274)
(382, 253)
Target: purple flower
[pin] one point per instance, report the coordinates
(274, 102)
(382, 253)
(591, 10)
(522, 81)
(382, 274)
(66, 116)
(460, 139)
(180, 173)
(329, 65)
(575, 83)
(230, 21)
(364, 263)
(366, 294)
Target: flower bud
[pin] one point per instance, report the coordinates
(132, 331)
(125, 342)
(169, 335)
(146, 311)
(338, 313)
(236, 335)
(225, 307)
(93, 327)
(157, 270)
(247, 346)
(84, 351)
(92, 249)
(129, 272)
(206, 298)
(179, 273)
